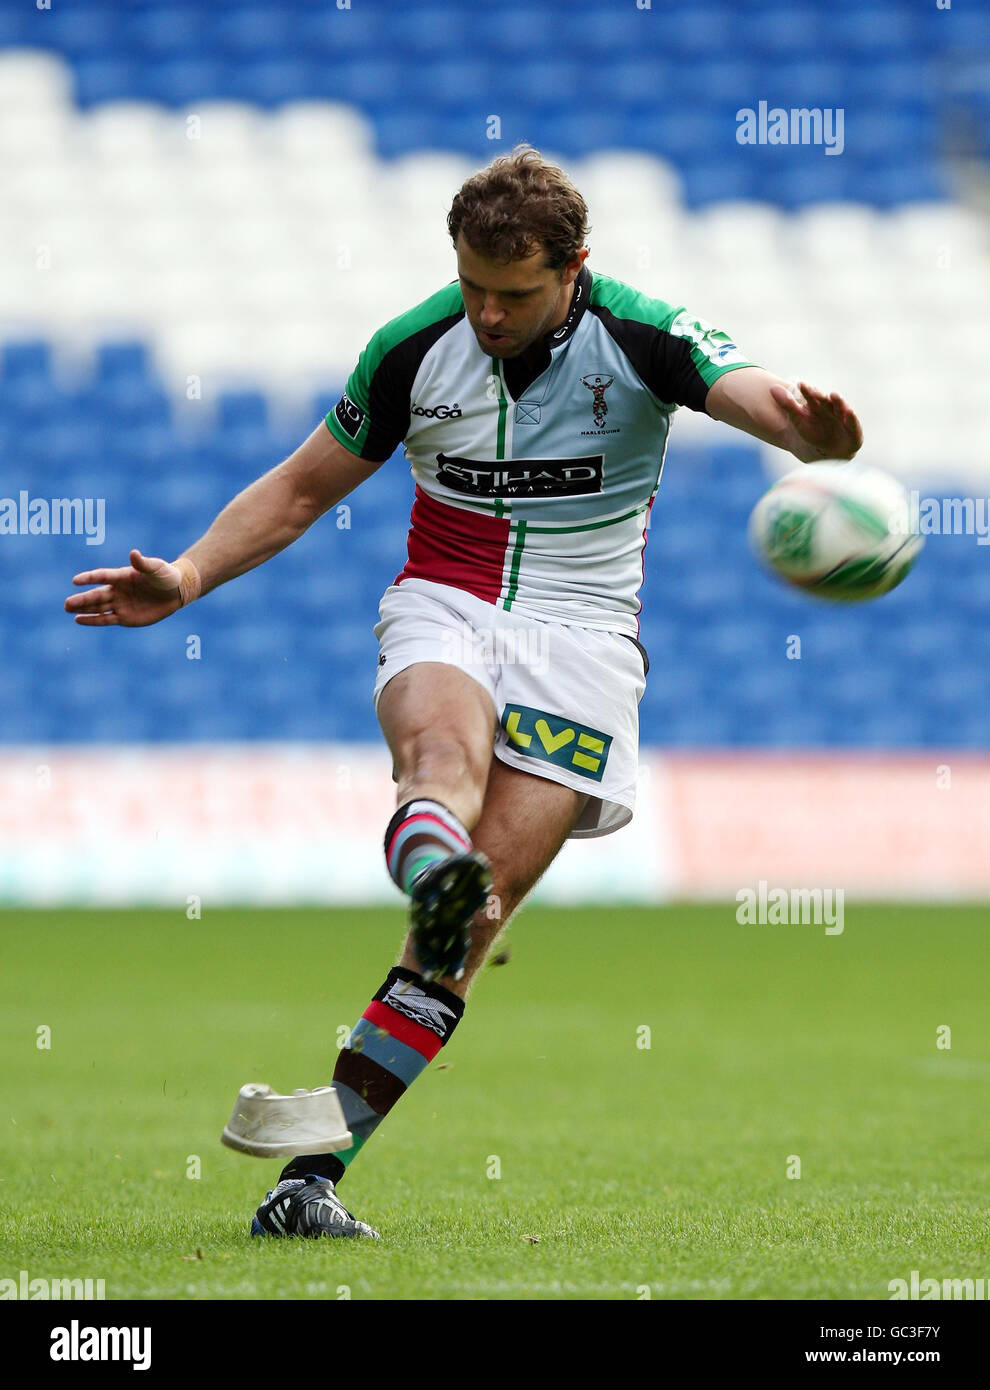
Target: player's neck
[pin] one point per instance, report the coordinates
(563, 311)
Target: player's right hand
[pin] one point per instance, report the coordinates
(143, 592)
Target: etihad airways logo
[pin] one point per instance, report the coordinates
(572, 477)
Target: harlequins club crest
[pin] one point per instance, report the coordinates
(598, 385)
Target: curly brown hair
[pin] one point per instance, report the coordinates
(517, 205)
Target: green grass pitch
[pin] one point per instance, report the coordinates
(626, 1171)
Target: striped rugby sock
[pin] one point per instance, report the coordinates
(399, 1034)
(419, 835)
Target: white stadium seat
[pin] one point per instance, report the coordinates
(226, 132)
(34, 83)
(267, 250)
(310, 133)
(123, 133)
(620, 182)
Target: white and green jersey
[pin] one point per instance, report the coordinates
(534, 474)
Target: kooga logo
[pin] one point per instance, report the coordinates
(438, 412)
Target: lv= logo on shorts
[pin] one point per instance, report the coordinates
(553, 739)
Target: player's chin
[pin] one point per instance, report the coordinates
(501, 345)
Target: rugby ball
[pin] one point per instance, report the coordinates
(838, 530)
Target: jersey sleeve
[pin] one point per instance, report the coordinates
(689, 357)
(372, 416)
(371, 434)
(677, 356)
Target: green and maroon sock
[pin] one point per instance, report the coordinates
(396, 1038)
(419, 835)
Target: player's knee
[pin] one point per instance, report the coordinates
(440, 759)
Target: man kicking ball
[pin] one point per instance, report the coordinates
(534, 398)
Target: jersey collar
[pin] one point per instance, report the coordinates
(520, 372)
(579, 303)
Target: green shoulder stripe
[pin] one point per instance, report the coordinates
(712, 351)
(439, 306)
(627, 303)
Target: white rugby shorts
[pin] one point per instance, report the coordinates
(566, 697)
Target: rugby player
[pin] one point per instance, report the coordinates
(534, 398)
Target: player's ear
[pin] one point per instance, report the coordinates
(572, 269)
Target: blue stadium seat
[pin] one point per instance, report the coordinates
(327, 34)
(895, 80)
(246, 31)
(888, 132)
(576, 134)
(689, 727)
(290, 647)
(378, 84)
(447, 81)
(714, 181)
(100, 78)
(719, 673)
(242, 410)
(959, 31)
(518, 32)
(971, 729)
(117, 359)
(698, 134)
(181, 81)
(915, 180)
(161, 29)
(817, 178)
(423, 31)
(29, 358)
(130, 402)
(596, 32)
(20, 27)
(876, 33)
(270, 81)
(29, 408)
(78, 30)
(783, 32)
(641, 81)
(573, 76)
(541, 84)
(689, 32)
(398, 131)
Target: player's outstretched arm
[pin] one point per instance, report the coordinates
(259, 522)
(143, 592)
(806, 422)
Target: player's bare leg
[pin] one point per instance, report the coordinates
(440, 725)
(524, 822)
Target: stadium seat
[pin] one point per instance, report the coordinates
(179, 81)
(783, 34)
(325, 129)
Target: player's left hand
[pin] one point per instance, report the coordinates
(825, 426)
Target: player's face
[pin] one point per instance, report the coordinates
(512, 304)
